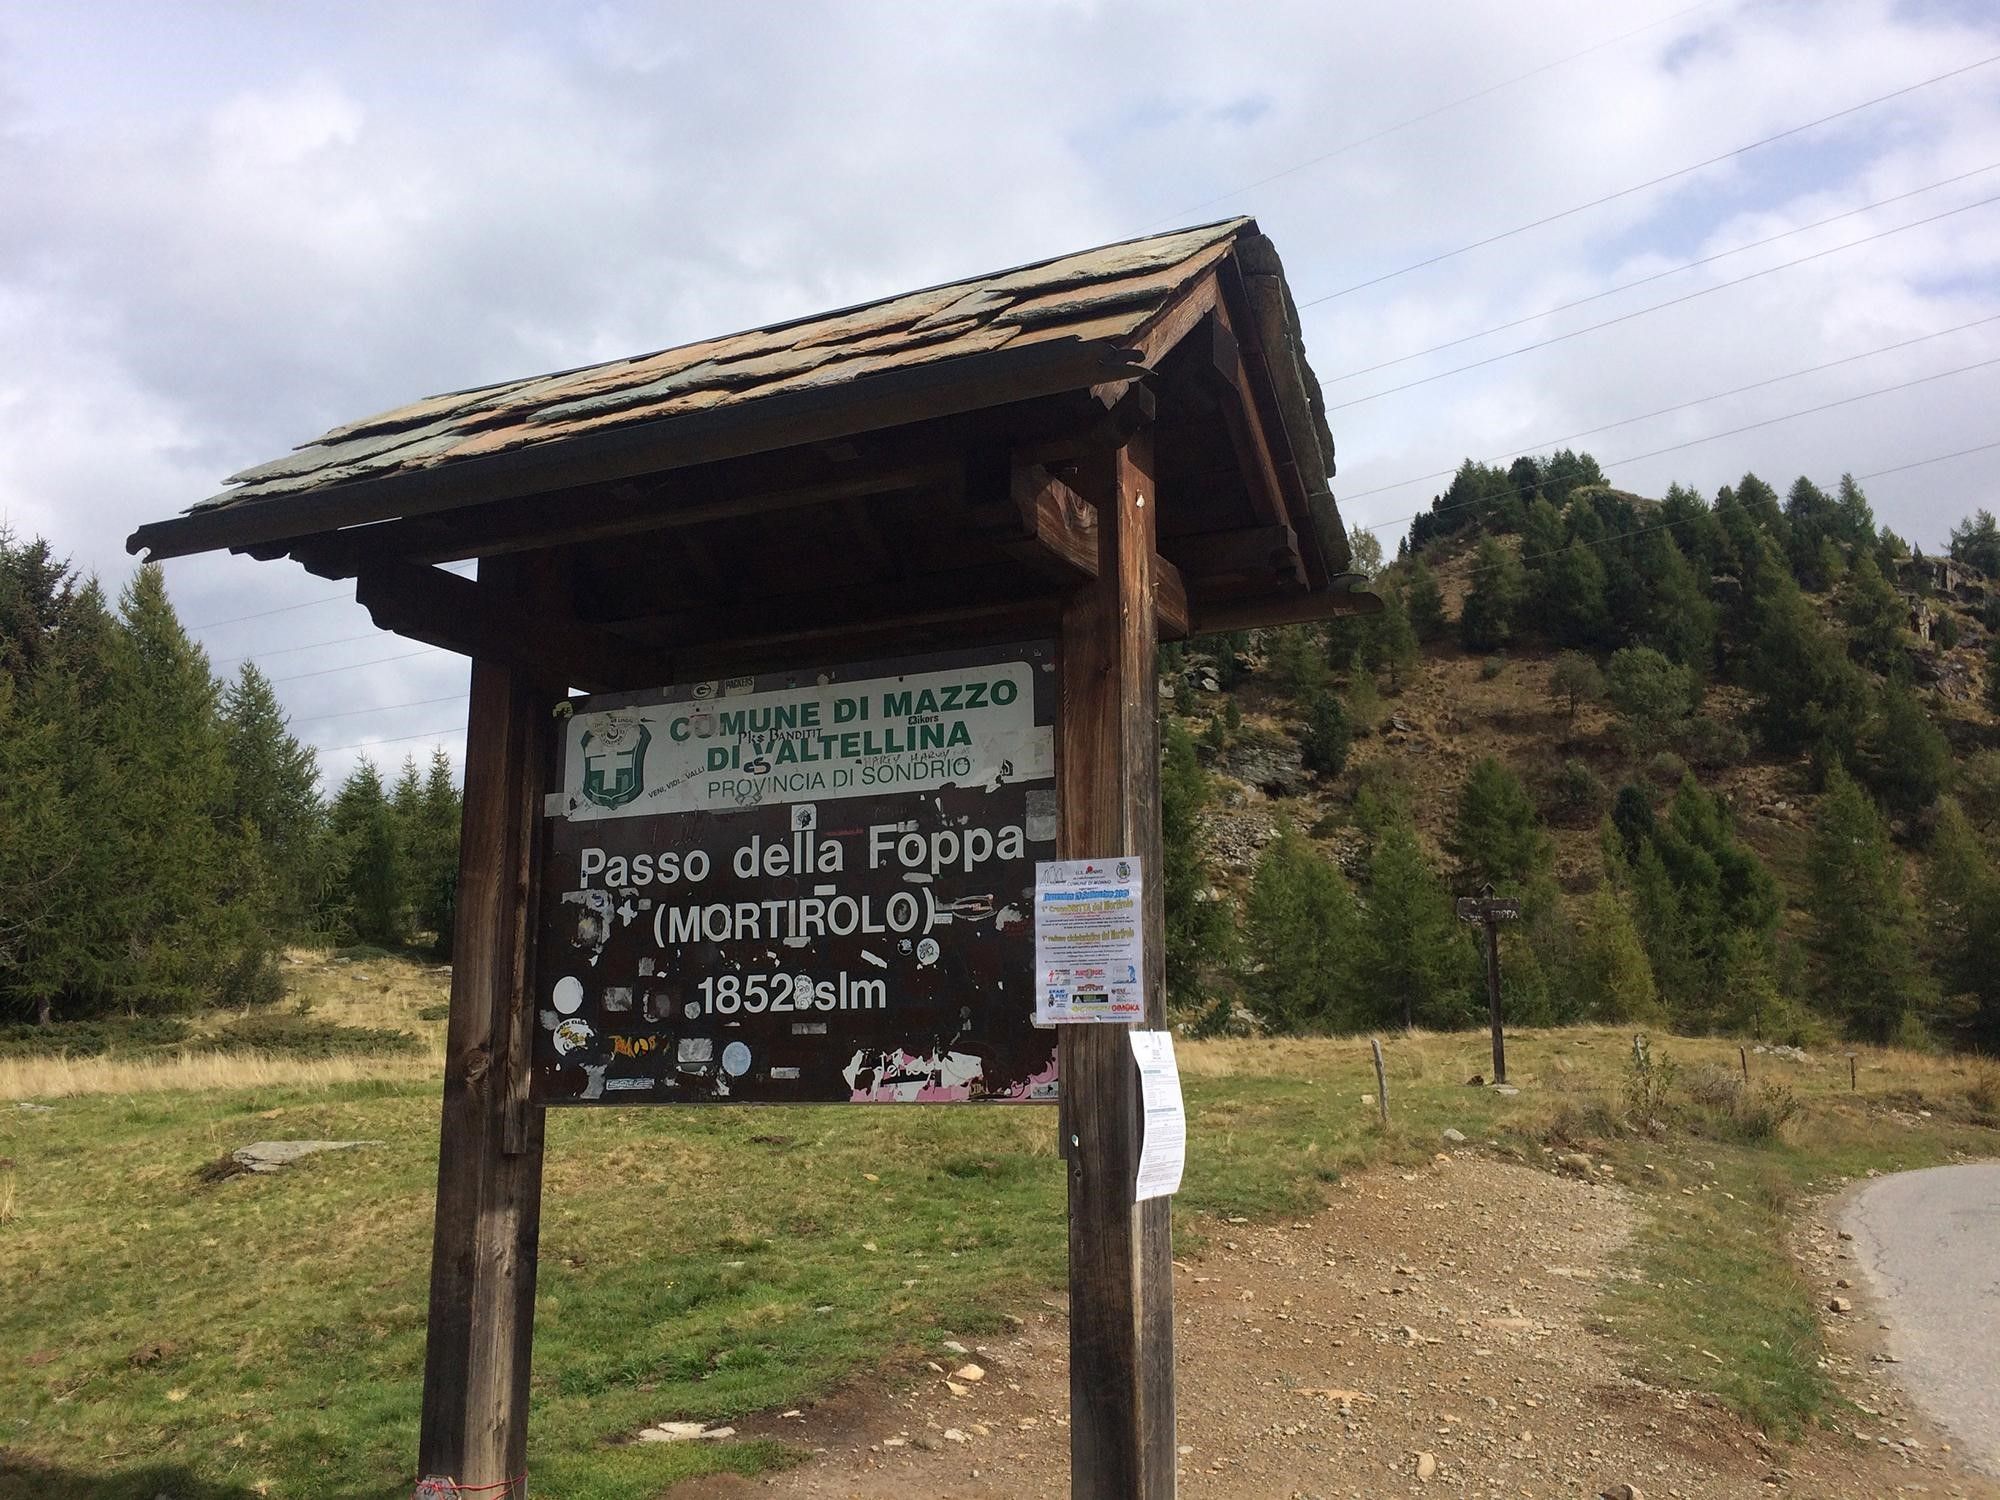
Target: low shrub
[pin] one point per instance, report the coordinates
(1492, 667)
(92, 1038)
(296, 1036)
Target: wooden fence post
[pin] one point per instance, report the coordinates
(1743, 1056)
(1381, 1082)
(1121, 1368)
(482, 1302)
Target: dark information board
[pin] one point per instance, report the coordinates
(800, 887)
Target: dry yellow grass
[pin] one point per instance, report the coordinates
(27, 1078)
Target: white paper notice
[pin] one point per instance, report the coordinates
(1163, 1152)
(1090, 953)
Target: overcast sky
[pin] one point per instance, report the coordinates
(227, 227)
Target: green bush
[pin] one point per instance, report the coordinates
(1492, 667)
(296, 1036)
(91, 1038)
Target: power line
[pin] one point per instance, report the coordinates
(353, 713)
(1652, 182)
(345, 640)
(401, 739)
(1641, 312)
(1661, 275)
(266, 613)
(1731, 433)
(1429, 114)
(1846, 359)
(354, 666)
(1922, 462)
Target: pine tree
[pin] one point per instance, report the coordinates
(1876, 618)
(1498, 586)
(371, 887)
(1324, 744)
(1962, 892)
(1651, 695)
(274, 788)
(1364, 700)
(1301, 925)
(193, 888)
(1495, 837)
(1296, 656)
(1612, 976)
(1863, 944)
(1573, 599)
(1904, 757)
(1809, 695)
(1398, 635)
(1426, 603)
(1680, 621)
(431, 850)
(1414, 962)
(1197, 929)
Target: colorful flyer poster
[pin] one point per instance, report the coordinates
(1090, 955)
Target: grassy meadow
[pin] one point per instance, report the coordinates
(263, 1335)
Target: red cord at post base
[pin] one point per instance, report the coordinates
(439, 1487)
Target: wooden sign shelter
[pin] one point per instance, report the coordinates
(1104, 450)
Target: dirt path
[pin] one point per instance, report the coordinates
(1427, 1334)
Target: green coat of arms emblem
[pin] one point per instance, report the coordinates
(614, 761)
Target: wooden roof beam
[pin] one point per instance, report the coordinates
(1032, 516)
(443, 609)
(1221, 366)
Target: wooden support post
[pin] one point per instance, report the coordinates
(1493, 997)
(1853, 1074)
(1121, 1373)
(475, 1403)
(1743, 1056)
(1381, 1082)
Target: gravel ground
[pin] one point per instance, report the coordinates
(1425, 1335)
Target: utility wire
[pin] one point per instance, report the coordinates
(266, 613)
(1922, 462)
(1662, 275)
(1641, 312)
(1652, 182)
(1731, 433)
(1429, 114)
(355, 666)
(401, 739)
(384, 708)
(1570, 437)
(345, 640)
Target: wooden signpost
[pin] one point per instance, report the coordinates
(1490, 911)
(868, 608)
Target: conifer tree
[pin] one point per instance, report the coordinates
(1197, 929)
(1612, 976)
(1414, 961)
(1398, 636)
(1301, 926)
(1487, 621)
(274, 788)
(1680, 622)
(1876, 618)
(1809, 695)
(1426, 603)
(1904, 757)
(1574, 681)
(1573, 604)
(371, 886)
(1324, 744)
(1864, 937)
(430, 847)
(1296, 655)
(1650, 694)
(1962, 891)
(1496, 837)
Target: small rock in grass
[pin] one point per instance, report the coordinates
(968, 1373)
(1427, 1465)
(1623, 1492)
(1839, 1305)
(953, 1435)
(1457, 1138)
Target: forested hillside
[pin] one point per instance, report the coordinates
(162, 833)
(1737, 756)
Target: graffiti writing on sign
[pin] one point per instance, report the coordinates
(801, 888)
